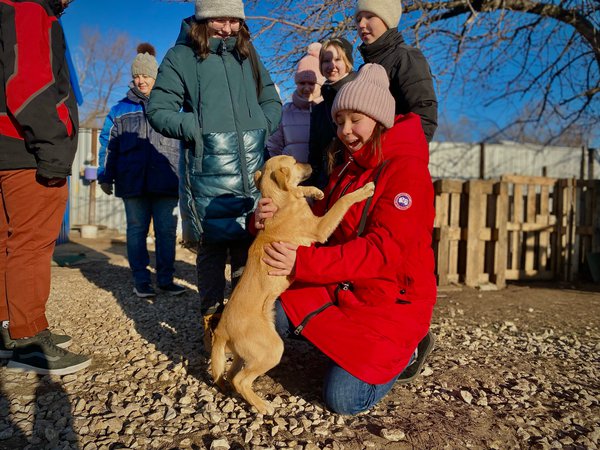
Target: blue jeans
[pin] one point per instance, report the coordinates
(139, 211)
(343, 393)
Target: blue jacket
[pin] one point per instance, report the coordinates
(137, 159)
(213, 105)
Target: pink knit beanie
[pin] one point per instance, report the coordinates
(308, 66)
(369, 94)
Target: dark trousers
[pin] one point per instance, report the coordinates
(210, 264)
(139, 211)
(31, 214)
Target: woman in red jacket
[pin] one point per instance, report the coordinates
(366, 298)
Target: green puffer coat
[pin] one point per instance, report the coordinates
(211, 105)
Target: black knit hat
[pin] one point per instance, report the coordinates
(342, 42)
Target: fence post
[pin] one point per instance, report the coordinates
(596, 216)
(93, 162)
(481, 160)
(476, 211)
(501, 234)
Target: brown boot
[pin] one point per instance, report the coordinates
(210, 322)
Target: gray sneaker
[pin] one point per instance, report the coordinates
(7, 344)
(40, 355)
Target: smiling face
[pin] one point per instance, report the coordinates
(308, 89)
(333, 66)
(223, 27)
(144, 83)
(354, 129)
(369, 27)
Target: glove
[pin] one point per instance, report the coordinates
(106, 188)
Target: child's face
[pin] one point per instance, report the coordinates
(333, 66)
(354, 129)
(369, 26)
(223, 27)
(308, 89)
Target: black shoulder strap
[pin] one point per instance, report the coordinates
(255, 70)
(363, 218)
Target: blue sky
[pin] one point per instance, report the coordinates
(144, 20)
(158, 22)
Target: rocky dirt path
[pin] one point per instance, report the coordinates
(517, 368)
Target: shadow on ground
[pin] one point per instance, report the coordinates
(49, 422)
(172, 324)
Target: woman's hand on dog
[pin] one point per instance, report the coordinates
(281, 256)
(265, 210)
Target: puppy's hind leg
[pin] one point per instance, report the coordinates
(217, 360)
(236, 366)
(262, 361)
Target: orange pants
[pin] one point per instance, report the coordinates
(31, 214)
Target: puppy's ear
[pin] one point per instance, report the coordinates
(257, 178)
(281, 177)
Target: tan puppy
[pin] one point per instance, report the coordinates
(247, 325)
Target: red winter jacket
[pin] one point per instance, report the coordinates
(38, 111)
(372, 328)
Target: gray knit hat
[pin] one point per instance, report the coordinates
(389, 11)
(145, 62)
(210, 9)
(369, 94)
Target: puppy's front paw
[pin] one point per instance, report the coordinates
(318, 194)
(368, 189)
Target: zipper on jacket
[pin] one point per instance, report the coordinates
(245, 90)
(338, 182)
(307, 319)
(241, 147)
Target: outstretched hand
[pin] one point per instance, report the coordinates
(264, 210)
(281, 256)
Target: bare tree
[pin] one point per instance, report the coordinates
(102, 63)
(542, 54)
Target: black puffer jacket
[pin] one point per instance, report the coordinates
(411, 83)
(322, 131)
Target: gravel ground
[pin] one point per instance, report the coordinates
(517, 368)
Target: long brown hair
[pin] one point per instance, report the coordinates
(335, 150)
(199, 34)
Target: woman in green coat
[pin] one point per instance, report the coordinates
(213, 93)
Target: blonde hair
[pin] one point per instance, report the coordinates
(335, 43)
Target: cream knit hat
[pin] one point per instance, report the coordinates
(387, 10)
(210, 9)
(369, 94)
(308, 66)
(144, 62)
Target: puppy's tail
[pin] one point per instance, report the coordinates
(217, 357)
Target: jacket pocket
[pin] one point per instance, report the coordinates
(309, 316)
(219, 155)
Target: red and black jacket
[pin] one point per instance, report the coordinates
(38, 111)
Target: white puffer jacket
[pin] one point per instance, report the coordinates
(292, 136)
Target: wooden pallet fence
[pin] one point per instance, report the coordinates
(578, 225)
(447, 237)
(514, 228)
(486, 231)
(531, 228)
